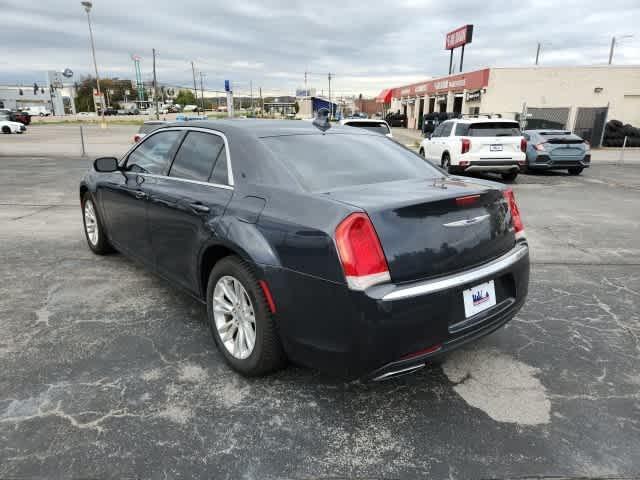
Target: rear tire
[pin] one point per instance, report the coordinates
(93, 227)
(6, 130)
(446, 162)
(509, 177)
(575, 170)
(266, 354)
(422, 154)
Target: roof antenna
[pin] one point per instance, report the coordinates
(322, 119)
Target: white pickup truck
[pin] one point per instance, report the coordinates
(477, 145)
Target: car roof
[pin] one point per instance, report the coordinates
(261, 128)
(362, 120)
(155, 122)
(549, 130)
(481, 120)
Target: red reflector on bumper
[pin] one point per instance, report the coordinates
(426, 351)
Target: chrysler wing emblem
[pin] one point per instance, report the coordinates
(467, 222)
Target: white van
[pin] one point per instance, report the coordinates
(40, 110)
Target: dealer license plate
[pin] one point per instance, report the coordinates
(479, 298)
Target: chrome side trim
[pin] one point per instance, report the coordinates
(399, 372)
(195, 129)
(185, 180)
(444, 283)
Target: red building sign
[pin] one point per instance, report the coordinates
(462, 81)
(459, 37)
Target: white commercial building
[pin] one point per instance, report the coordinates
(579, 98)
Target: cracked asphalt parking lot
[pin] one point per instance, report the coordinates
(109, 372)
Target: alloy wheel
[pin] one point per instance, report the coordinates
(91, 222)
(234, 317)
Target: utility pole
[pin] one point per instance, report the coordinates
(613, 45)
(251, 94)
(155, 85)
(87, 7)
(538, 54)
(195, 87)
(330, 104)
(261, 104)
(306, 92)
(202, 89)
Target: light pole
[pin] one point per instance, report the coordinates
(613, 45)
(87, 7)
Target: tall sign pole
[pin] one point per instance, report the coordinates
(155, 86)
(87, 7)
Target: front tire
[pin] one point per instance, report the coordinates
(240, 320)
(575, 170)
(509, 177)
(6, 130)
(421, 152)
(93, 227)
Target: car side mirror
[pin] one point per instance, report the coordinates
(106, 164)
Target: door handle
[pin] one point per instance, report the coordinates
(141, 195)
(199, 207)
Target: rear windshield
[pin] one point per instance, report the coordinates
(377, 127)
(327, 162)
(150, 127)
(489, 129)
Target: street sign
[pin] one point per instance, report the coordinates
(227, 86)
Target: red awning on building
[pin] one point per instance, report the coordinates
(384, 96)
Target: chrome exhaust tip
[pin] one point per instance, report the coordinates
(399, 373)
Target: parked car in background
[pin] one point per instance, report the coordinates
(15, 116)
(557, 150)
(329, 246)
(109, 111)
(378, 126)
(431, 120)
(148, 127)
(22, 117)
(396, 119)
(38, 110)
(493, 145)
(7, 126)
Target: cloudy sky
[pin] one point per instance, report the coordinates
(368, 45)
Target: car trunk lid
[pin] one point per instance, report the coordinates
(431, 228)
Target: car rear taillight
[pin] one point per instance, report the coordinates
(539, 147)
(587, 145)
(360, 252)
(516, 219)
(467, 201)
(466, 145)
(523, 144)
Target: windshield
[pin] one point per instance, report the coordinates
(489, 129)
(326, 162)
(378, 127)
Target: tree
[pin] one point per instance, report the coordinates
(185, 97)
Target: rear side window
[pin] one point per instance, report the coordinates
(154, 153)
(326, 162)
(197, 155)
(493, 129)
(446, 129)
(462, 129)
(373, 126)
(220, 172)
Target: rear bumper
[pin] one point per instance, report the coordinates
(377, 332)
(545, 162)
